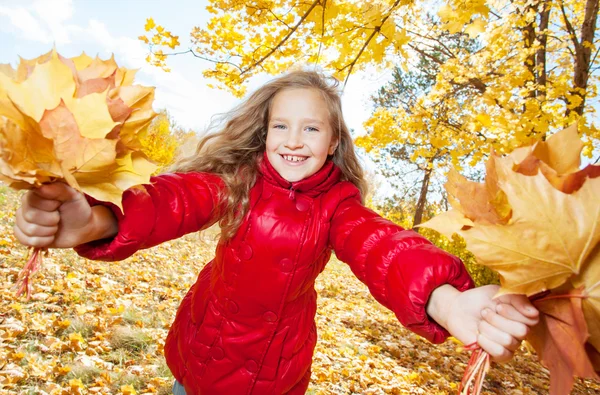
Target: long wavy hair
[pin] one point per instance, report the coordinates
(234, 151)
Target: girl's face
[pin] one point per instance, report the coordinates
(299, 135)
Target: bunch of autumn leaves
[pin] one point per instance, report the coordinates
(536, 221)
(76, 120)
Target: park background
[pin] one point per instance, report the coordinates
(427, 86)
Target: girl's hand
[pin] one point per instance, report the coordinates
(497, 325)
(56, 215)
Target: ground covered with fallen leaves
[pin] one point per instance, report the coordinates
(99, 328)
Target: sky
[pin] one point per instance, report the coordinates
(29, 28)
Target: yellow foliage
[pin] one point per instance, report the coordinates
(163, 139)
(506, 106)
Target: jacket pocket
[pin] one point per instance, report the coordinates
(273, 356)
(206, 333)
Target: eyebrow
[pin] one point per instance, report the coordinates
(311, 120)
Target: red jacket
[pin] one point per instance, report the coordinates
(248, 327)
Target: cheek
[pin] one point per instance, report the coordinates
(321, 148)
(271, 143)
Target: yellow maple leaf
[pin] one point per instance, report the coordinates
(124, 76)
(476, 27)
(549, 243)
(76, 153)
(98, 125)
(26, 156)
(531, 258)
(43, 89)
(108, 186)
(82, 61)
(128, 390)
(98, 68)
(149, 24)
(552, 229)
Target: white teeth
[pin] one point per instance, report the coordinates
(293, 158)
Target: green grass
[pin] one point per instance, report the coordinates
(130, 339)
(87, 374)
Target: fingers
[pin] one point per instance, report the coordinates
(33, 241)
(56, 191)
(510, 312)
(496, 351)
(501, 336)
(521, 304)
(31, 199)
(36, 222)
(37, 211)
(515, 329)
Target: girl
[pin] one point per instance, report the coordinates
(286, 187)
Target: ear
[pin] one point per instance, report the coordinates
(332, 147)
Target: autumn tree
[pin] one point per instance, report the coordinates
(536, 70)
(163, 138)
(416, 159)
(416, 167)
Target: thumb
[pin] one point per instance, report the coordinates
(57, 191)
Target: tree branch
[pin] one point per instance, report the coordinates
(425, 54)
(322, 31)
(366, 44)
(570, 29)
(197, 56)
(290, 33)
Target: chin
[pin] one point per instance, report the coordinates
(293, 178)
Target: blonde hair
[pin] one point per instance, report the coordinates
(234, 152)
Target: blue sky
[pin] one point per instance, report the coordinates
(29, 28)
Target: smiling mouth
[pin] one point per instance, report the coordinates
(294, 158)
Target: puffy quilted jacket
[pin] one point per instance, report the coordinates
(247, 325)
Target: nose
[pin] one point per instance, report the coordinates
(294, 140)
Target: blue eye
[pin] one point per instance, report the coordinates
(311, 129)
(278, 126)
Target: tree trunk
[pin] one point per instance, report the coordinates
(529, 37)
(422, 199)
(541, 53)
(583, 53)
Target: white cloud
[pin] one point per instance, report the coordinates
(41, 21)
(54, 14)
(25, 24)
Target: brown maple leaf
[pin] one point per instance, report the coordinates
(560, 340)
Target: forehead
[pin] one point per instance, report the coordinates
(299, 103)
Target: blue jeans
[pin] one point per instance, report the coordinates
(178, 388)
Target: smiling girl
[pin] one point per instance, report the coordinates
(284, 183)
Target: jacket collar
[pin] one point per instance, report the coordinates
(312, 186)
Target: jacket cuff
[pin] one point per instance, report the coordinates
(431, 268)
(129, 238)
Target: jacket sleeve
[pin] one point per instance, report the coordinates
(400, 267)
(171, 206)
